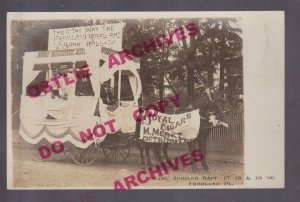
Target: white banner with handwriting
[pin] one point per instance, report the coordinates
(176, 128)
(94, 36)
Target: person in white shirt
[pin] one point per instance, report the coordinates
(63, 108)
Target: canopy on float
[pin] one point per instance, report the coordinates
(77, 113)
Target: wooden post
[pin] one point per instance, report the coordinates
(119, 87)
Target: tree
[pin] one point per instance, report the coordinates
(195, 61)
(154, 64)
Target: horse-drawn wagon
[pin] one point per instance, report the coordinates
(62, 111)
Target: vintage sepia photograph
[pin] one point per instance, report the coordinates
(131, 102)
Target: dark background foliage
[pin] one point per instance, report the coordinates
(185, 68)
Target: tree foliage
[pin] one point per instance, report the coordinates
(194, 63)
(188, 65)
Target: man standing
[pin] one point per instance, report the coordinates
(66, 91)
(63, 108)
(106, 94)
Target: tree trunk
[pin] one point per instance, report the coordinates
(190, 81)
(143, 73)
(222, 59)
(161, 86)
(190, 57)
(222, 76)
(210, 70)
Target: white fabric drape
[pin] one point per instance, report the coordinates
(123, 117)
(34, 108)
(64, 130)
(133, 84)
(74, 107)
(28, 73)
(105, 73)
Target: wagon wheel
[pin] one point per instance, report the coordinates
(35, 155)
(117, 151)
(83, 156)
(33, 149)
(67, 150)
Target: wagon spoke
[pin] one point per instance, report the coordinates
(123, 150)
(115, 155)
(116, 158)
(117, 148)
(84, 156)
(121, 154)
(111, 153)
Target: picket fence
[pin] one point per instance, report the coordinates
(235, 133)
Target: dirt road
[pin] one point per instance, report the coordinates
(57, 171)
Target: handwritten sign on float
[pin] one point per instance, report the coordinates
(95, 36)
